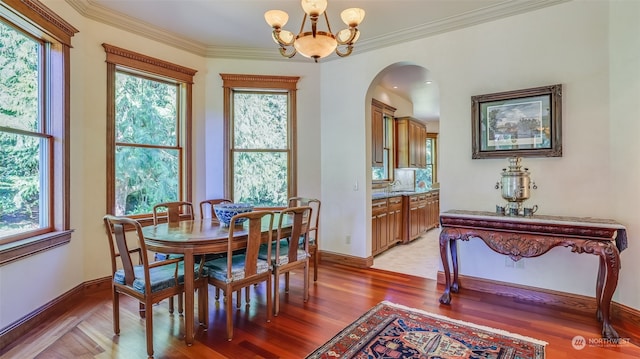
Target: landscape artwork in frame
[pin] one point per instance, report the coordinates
(526, 123)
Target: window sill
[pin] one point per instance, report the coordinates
(23, 248)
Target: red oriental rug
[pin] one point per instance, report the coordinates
(391, 330)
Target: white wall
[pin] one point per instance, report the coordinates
(571, 44)
(209, 134)
(589, 47)
(624, 162)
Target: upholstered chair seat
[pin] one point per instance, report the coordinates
(160, 277)
(283, 258)
(217, 268)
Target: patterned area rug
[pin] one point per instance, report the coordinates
(391, 330)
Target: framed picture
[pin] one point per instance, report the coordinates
(526, 123)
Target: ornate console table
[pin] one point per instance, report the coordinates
(525, 237)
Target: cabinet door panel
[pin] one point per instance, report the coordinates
(410, 143)
(395, 220)
(375, 235)
(379, 226)
(383, 219)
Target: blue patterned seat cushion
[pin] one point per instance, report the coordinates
(284, 249)
(163, 256)
(161, 277)
(217, 268)
(312, 241)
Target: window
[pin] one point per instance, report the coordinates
(34, 121)
(432, 158)
(382, 141)
(149, 135)
(260, 144)
(24, 141)
(384, 172)
(426, 178)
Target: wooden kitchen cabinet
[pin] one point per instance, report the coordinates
(423, 210)
(378, 136)
(433, 210)
(401, 219)
(411, 142)
(413, 226)
(394, 211)
(386, 223)
(380, 225)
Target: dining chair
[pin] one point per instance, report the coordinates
(148, 282)
(207, 211)
(173, 212)
(314, 225)
(206, 207)
(288, 255)
(240, 270)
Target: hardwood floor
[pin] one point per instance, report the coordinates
(339, 297)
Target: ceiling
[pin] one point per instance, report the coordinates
(237, 29)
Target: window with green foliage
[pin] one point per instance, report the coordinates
(34, 93)
(24, 141)
(260, 138)
(148, 153)
(150, 136)
(385, 173)
(261, 152)
(432, 159)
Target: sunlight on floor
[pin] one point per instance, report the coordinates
(420, 257)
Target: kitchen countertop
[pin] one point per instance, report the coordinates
(381, 195)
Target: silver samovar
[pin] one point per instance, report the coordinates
(515, 185)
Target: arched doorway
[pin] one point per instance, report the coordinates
(413, 92)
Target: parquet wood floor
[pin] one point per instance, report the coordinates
(339, 297)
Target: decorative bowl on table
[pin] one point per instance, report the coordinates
(226, 211)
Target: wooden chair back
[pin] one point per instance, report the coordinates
(314, 220)
(206, 207)
(255, 232)
(122, 251)
(314, 226)
(174, 212)
(295, 219)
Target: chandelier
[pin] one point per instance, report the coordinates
(315, 44)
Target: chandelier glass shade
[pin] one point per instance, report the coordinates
(315, 44)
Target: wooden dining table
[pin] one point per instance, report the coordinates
(200, 237)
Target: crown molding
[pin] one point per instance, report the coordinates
(93, 11)
(127, 23)
(491, 13)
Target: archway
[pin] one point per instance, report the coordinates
(413, 91)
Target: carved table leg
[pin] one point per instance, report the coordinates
(609, 253)
(602, 271)
(444, 241)
(454, 260)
